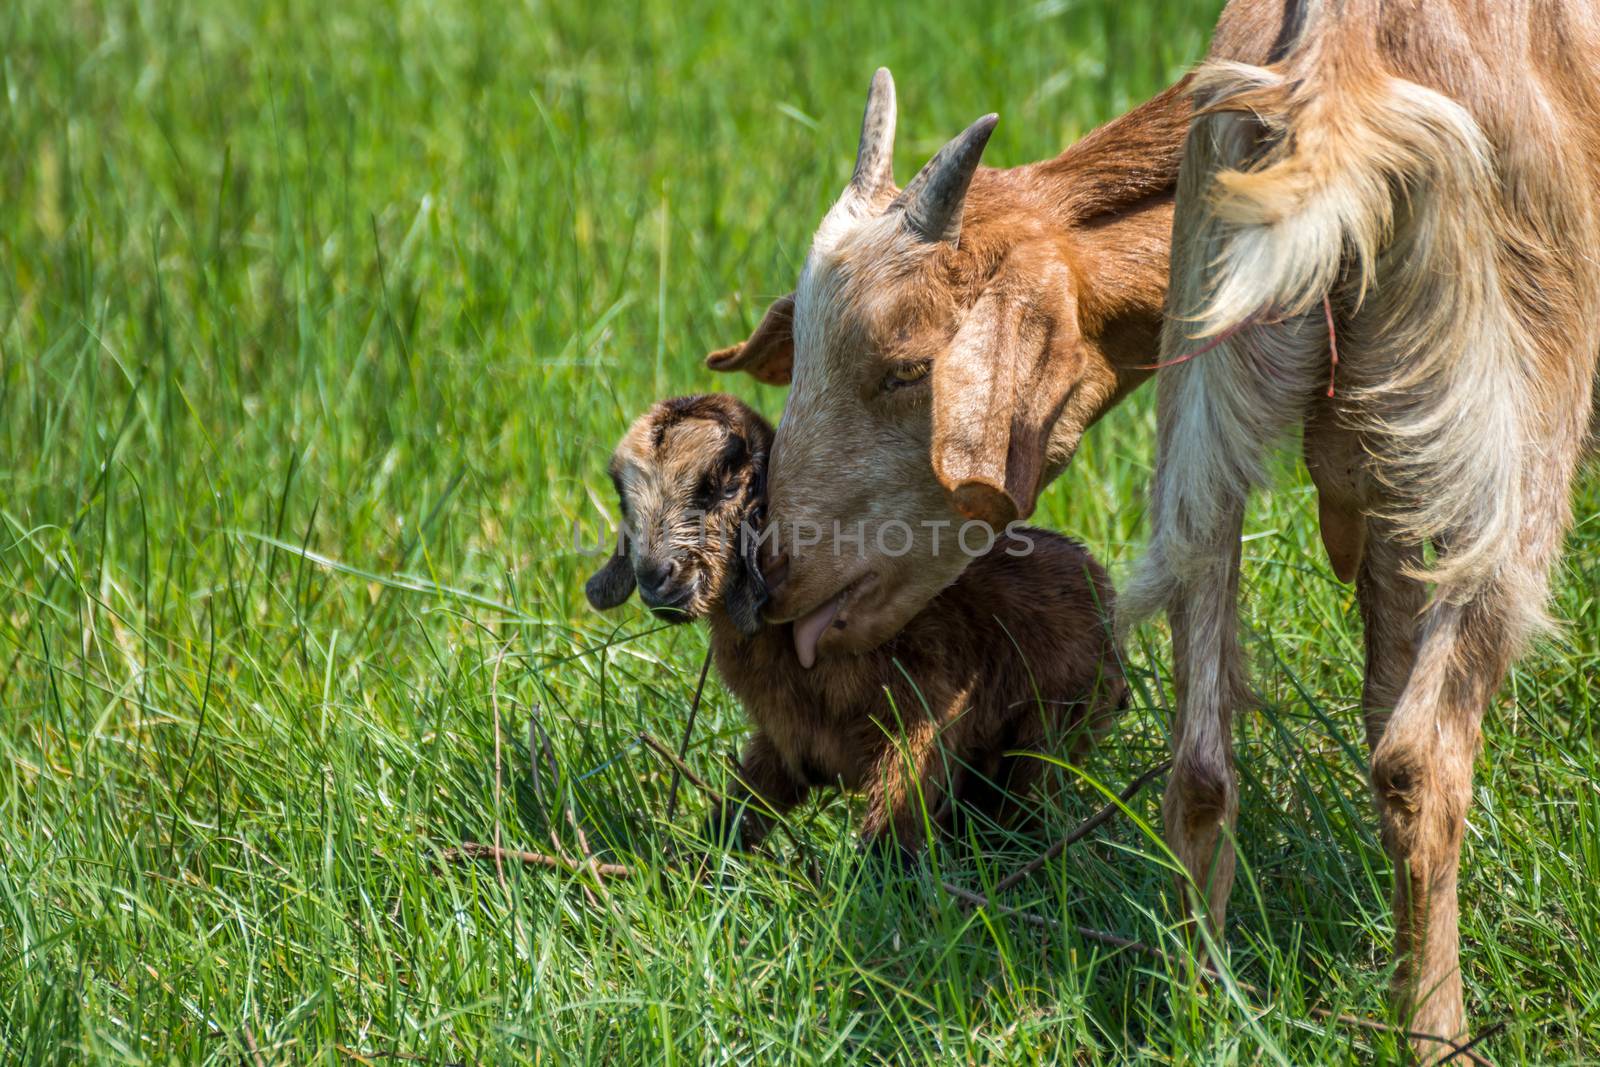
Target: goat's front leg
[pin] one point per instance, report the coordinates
(1202, 798)
(765, 789)
(910, 778)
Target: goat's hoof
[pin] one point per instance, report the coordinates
(732, 831)
(888, 848)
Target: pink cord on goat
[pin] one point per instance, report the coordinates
(1232, 331)
(1333, 343)
(1221, 338)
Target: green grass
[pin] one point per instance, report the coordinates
(316, 325)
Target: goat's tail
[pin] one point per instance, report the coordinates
(1326, 185)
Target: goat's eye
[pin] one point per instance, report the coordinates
(730, 490)
(904, 374)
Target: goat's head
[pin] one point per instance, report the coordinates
(689, 474)
(933, 344)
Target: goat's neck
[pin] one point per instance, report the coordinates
(720, 623)
(1121, 270)
(1127, 162)
(1109, 197)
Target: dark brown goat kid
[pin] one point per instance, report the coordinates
(1013, 661)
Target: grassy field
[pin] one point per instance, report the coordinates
(317, 321)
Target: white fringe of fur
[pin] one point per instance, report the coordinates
(1382, 193)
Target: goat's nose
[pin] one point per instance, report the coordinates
(774, 570)
(658, 582)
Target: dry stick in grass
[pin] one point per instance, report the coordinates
(683, 746)
(590, 863)
(681, 767)
(474, 850)
(471, 850)
(1083, 829)
(1152, 952)
(653, 743)
(1467, 1049)
(494, 703)
(539, 741)
(250, 1044)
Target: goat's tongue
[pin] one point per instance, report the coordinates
(809, 628)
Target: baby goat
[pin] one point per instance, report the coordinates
(952, 713)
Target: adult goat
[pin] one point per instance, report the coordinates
(1386, 237)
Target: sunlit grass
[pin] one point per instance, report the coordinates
(316, 323)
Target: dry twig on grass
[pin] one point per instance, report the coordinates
(655, 744)
(1083, 829)
(250, 1044)
(683, 746)
(473, 850)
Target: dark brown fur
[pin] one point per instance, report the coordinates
(1015, 659)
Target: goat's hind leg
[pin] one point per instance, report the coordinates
(1422, 763)
(1201, 803)
(1391, 600)
(1422, 781)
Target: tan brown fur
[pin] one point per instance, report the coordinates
(687, 474)
(1013, 661)
(1041, 315)
(1431, 171)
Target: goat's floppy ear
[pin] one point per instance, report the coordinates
(747, 589)
(768, 356)
(998, 391)
(613, 583)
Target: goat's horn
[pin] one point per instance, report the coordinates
(875, 156)
(934, 199)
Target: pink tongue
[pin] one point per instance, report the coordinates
(809, 629)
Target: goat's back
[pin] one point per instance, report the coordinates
(1525, 75)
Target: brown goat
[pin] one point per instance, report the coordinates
(1011, 663)
(949, 343)
(1411, 190)
(1415, 183)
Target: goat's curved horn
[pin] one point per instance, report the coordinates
(934, 200)
(874, 171)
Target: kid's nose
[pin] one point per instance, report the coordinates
(659, 585)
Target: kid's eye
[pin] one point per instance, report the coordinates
(903, 374)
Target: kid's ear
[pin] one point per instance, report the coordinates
(747, 590)
(768, 356)
(613, 583)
